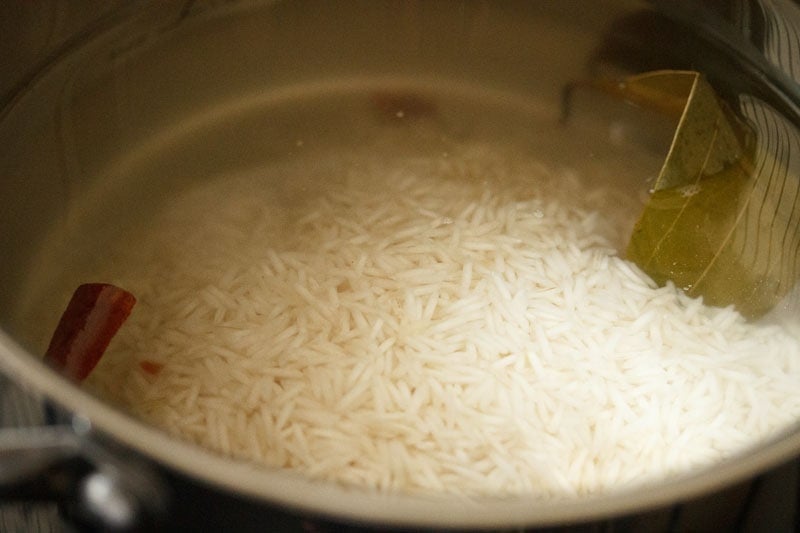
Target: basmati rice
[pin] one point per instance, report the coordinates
(462, 326)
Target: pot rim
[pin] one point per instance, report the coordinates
(293, 490)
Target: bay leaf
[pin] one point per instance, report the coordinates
(708, 136)
(700, 209)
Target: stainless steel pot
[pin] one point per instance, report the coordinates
(155, 96)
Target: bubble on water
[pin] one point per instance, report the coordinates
(690, 190)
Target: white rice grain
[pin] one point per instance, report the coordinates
(459, 326)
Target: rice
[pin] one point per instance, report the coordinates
(463, 326)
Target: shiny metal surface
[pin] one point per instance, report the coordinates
(84, 142)
(30, 33)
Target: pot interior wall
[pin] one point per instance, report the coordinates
(171, 98)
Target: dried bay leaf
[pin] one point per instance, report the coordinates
(706, 140)
(710, 224)
(685, 236)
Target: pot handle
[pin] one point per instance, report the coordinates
(95, 488)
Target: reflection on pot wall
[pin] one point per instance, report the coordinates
(152, 110)
(31, 31)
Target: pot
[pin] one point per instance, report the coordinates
(156, 97)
